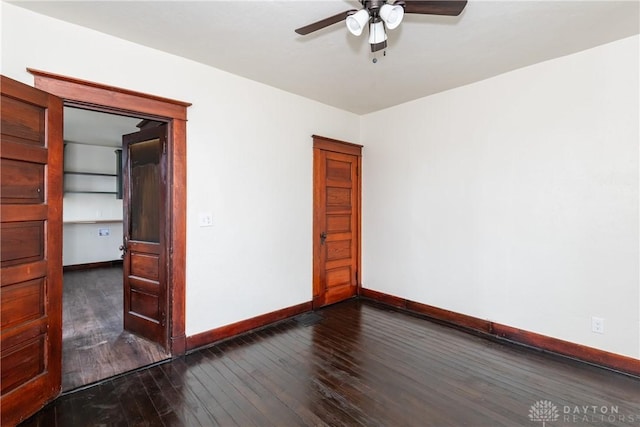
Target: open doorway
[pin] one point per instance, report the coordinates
(95, 344)
(32, 150)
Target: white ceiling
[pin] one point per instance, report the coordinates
(426, 54)
(94, 128)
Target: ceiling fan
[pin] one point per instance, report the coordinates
(381, 14)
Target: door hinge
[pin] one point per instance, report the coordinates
(163, 318)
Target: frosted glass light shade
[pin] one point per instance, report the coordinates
(391, 15)
(357, 22)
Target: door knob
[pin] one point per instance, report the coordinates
(323, 237)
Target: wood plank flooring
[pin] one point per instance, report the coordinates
(351, 364)
(94, 345)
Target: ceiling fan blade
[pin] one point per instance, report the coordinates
(450, 8)
(324, 22)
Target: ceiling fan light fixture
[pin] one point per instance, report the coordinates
(382, 15)
(377, 33)
(391, 15)
(357, 22)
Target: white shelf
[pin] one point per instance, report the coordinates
(93, 221)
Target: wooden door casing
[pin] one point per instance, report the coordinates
(336, 225)
(31, 253)
(145, 240)
(99, 97)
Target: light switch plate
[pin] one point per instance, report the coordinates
(205, 219)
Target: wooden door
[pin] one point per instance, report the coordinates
(336, 227)
(145, 219)
(31, 252)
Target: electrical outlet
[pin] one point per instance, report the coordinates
(205, 219)
(597, 325)
(102, 232)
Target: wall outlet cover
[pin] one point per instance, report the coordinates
(597, 325)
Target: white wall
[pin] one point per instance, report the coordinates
(86, 214)
(249, 162)
(514, 199)
(88, 242)
(89, 206)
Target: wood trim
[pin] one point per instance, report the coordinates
(54, 195)
(359, 228)
(318, 177)
(329, 144)
(96, 94)
(582, 353)
(452, 317)
(99, 97)
(92, 265)
(177, 167)
(211, 336)
(383, 298)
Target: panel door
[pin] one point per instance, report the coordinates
(145, 219)
(30, 249)
(336, 225)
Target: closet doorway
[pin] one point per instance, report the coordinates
(34, 142)
(97, 284)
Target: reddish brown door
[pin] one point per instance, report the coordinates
(31, 253)
(336, 242)
(145, 219)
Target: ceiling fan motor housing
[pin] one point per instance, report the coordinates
(372, 5)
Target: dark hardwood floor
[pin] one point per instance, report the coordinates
(94, 345)
(356, 363)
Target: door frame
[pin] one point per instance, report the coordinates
(342, 147)
(98, 97)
